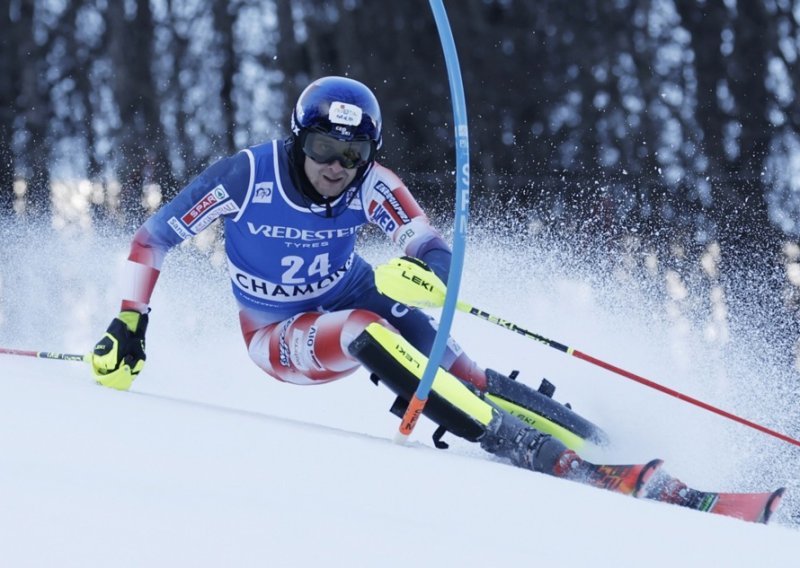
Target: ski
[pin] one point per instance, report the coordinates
(625, 479)
(751, 507)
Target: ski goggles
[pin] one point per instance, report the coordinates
(325, 150)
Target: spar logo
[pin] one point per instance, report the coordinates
(208, 201)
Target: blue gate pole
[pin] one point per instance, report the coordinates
(420, 397)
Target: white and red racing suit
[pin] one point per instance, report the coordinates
(303, 292)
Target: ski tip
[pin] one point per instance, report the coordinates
(772, 505)
(648, 470)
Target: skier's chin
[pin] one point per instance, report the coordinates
(331, 188)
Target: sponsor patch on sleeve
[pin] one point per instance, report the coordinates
(209, 208)
(393, 205)
(178, 227)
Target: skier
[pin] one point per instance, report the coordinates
(309, 308)
(292, 210)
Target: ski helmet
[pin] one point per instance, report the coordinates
(341, 109)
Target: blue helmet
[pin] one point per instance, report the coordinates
(338, 107)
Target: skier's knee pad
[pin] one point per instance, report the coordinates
(310, 348)
(400, 366)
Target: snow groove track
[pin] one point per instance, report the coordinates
(204, 471)
(93, 477)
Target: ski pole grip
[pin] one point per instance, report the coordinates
(411, 283)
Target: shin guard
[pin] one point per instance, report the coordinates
(451, 404)
(399, 366)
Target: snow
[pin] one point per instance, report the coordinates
(209, 462)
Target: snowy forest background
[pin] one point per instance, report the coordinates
(666, 132)
(634, 114)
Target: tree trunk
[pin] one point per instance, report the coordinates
(35, 108)
(223, 24)
(141, 144)
(8, 70)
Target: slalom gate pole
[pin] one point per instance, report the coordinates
(420, 397)
(464, 307)
(45, 355)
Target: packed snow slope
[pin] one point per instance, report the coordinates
(209, 462)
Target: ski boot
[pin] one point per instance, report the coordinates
(538, 409)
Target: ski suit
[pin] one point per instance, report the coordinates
(303, 292)
(309, 308)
